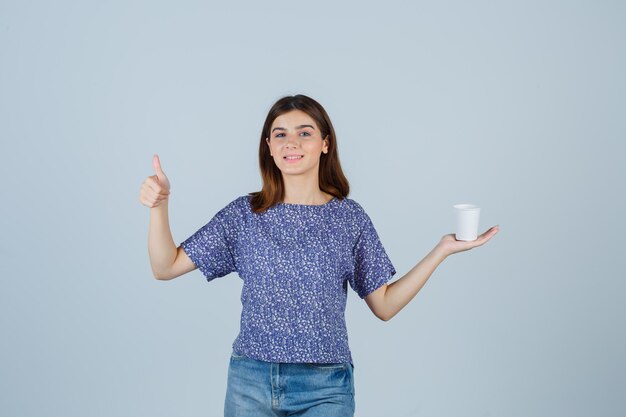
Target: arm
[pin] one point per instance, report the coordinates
(389, 299)
(167, 261)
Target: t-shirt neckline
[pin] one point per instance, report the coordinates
(307, 205)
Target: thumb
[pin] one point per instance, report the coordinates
(156, 163)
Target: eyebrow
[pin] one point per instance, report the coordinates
(297, 127)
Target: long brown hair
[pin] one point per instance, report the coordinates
(331, 178)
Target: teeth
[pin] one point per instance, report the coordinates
(293, 157)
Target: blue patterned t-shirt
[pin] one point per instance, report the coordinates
(296, 262)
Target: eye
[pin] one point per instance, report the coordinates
(305, 133)
(279, 135)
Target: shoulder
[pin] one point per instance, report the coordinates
(353, 207)
(236, 209)
(238, 203)
(352, 204)
(353, 212)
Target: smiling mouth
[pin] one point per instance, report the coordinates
(293, 158)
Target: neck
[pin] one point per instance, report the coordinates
(304, 190)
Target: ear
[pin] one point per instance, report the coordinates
(267, 140)
(325, 147)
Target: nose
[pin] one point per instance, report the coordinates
(292, 139)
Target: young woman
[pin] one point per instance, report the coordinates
(296, 244)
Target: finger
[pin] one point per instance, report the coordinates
(156, 163)
(484, 238)
(155, 186)
(492, 231)
(162, 197)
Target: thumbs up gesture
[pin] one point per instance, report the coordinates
(156, 188)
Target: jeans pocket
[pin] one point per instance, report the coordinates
(327, 366)
(237, 356)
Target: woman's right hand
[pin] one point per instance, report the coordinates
(156, 188)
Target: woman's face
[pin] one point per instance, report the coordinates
(296, 135)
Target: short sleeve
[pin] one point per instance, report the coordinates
(209, 249)
(372, 266)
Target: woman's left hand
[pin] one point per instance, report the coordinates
(449, 245)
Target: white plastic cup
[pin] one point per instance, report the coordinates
(467, 218)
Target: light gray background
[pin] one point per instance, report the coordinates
(518, 107)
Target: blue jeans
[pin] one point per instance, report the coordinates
(259, 389)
